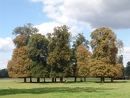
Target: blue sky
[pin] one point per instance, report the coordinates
(82, 16)
(15, 13)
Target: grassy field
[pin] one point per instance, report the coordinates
(14, 88)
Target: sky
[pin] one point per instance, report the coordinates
(81, 16)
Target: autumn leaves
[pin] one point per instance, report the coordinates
(55, 56)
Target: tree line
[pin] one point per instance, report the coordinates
(56, 55)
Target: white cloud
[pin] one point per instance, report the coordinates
(3, 61)
(96, 13)
(53, 2)
(6, 45)
(88, 13)
(126, 55)
(48, 27)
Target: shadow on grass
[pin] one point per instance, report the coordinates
(114, 82)
(11, 91)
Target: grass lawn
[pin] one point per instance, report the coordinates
(14, 88)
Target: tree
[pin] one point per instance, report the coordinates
(19, 64)
(9, 68)
(83, 61)
(4, 73)
(120, 61)
(38, 54)
(119, 45)
(23, 34)
(127, 69)
(80, 39)
(59, 52)
(26, 30)
(104, 63)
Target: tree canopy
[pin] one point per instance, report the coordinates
(55, 56)
(83, 56)
(59, 52)
(104, 63)
(38, 53)
(127, 69)
(19, 65)
(79, 40)
(4, 73)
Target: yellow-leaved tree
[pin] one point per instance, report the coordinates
(19, 65)
(83, 56)
(104, 58)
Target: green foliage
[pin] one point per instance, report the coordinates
(18, 66)
(59, 52)
(26, 30)
(23, 34)
(3, 73)
(80, 39)
(120, 59)
(127, 69)
(38, 54)
(119, 45)
(37, 69)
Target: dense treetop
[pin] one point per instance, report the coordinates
(56, 56)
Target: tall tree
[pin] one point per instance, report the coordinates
(59, 52)
(80, 39)
(38, 45)
(127, 69)
(119, 45)
(26, 30)
(104, 63)
(83, 56)
(19, 64)
(120, 61)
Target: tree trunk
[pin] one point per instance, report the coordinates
(111, 79)
(102, 79)
(55, 79)
(75, 78)
(30, 79)
(44, 80)
(65, 80)
(61, 79)
(84, 79)
(52, 79)
(38, 80)
(81, 79)
(25, 79)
